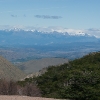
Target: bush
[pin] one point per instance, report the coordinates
(78, 80)
(13, 88)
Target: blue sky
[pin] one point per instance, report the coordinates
(75, 14)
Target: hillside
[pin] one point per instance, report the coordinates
(34, 66)
(9, 71)
(77, 80)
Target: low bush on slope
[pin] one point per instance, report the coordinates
(16, 88)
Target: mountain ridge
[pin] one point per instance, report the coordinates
(51, 31)
(22, 37)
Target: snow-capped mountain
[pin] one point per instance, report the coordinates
(53, 30)
(43, 36)
(91, 32)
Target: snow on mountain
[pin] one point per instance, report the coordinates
(43, 36)
(52, 30)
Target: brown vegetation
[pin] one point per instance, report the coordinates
(12, 88)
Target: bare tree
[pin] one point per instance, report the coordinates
(12, 88)
(31, 90)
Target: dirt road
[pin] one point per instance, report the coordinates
(4, 97)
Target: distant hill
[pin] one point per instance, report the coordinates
(34, 66)
(9, 71)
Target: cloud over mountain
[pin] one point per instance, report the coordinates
(93, 31)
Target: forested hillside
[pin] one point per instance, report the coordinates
(77, 80)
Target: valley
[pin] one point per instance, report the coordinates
(17, 54)
(19, 46)
(33, 50)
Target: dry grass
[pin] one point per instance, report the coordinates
(9, 71)
(34, 66)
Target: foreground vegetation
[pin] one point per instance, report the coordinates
(14, 88)
(77, 80)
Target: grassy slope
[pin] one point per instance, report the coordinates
(9, 71)
(36, 65)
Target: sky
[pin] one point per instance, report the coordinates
(74, 14)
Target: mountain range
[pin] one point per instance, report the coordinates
(18, 45)
(30, 37)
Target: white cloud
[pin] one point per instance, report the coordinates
(93, 31)
(47, 17)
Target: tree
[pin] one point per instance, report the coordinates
(78, 80)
